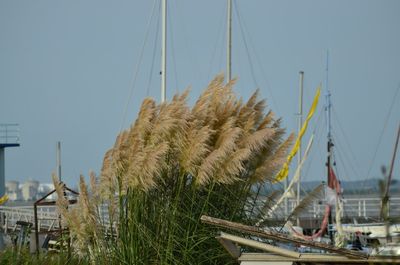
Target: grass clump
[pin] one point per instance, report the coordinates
(172, 165)
(10, 256)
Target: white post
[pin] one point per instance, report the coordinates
(314, 209)
(364, 209)
(164, 51)
(2, 172)
(300, 125)
(59, 161)
(229, 43)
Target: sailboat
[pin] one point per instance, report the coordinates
(333, 184)
(339, 234)
(385, 234)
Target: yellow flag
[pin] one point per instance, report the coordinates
(283, 173)
(3, 199)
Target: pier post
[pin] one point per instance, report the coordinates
(2, 172)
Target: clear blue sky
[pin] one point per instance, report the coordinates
(66, 71)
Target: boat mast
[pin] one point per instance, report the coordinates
(300, 125)
(229, 43)
(164, 50)
(385, 198)
(59, 161)
(389, 179)
(329, 144)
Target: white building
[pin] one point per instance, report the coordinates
(30, 190)
(13, 191)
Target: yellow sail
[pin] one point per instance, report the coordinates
(283, 173)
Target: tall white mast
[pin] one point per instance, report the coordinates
(59, 161)
(229, 43)
(300, 125)
(164, 50)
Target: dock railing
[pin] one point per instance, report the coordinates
(360, 207)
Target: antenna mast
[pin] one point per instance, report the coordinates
(59, 161)
(300, 125)
(330, 144)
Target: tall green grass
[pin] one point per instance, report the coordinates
(10, 256)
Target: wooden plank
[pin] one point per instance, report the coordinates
(315, 258)
(280, 237)
(231, 248)
(260, 245)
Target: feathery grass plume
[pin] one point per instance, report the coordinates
(86, 207)
(62, 202)
(266, 120)
(86, 214)
(233, 165)
(108, 181)
(145, 168)
(116, 160)
(143, 124)
(82, 219)
(257, 140)
(306, 202)
(259, 164)
(176, 163)
(171, 120)
(70, 218)
(223, 103)
(251, 114)
(225, 145)
(194, 147)
(107, 187)
(269, 201)
(273, 162)
(201, 106)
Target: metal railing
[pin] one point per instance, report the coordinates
(9, 216)
(48, 216)
(360, 207)
(9, 133)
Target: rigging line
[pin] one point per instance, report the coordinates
(342, 156)
(154, 51)
(381, 135)
(222, 62)
(341, 152)
(346, 141)
(187, 42)
(262, 69)
(317, 132)
(217, 41)
(340, 175)
(134, 78)
(173, 49)
(337, 156)
(245, 45)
